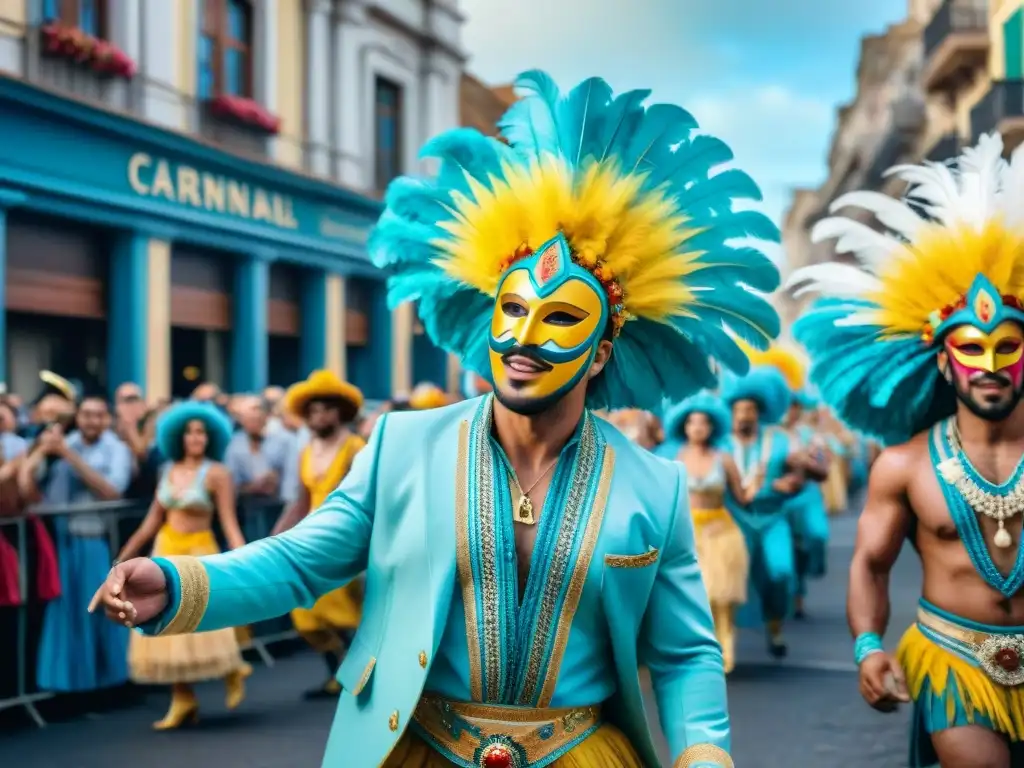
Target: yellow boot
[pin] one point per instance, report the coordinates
(234, 685)
(184, 709)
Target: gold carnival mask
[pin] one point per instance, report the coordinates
(549, 316)
(972, 350)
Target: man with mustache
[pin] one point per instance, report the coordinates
(523, 557)
(923, 348)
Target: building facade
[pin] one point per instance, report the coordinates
(187, 187)
(930, 85)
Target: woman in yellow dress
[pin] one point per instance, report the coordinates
(328, 405)
(694, 430)
(193, 436)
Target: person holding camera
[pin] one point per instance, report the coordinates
(78, 652)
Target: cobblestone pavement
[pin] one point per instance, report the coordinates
(803, 712)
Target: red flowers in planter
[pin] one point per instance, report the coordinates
(245, 111)
(101, 56)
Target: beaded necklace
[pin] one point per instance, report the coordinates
(967, 495)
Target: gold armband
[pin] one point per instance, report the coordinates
(194, 584)
(698, 754)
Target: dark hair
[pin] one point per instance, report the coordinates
(347, 410)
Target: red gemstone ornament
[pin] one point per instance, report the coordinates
(1008, 659)
(496, 756)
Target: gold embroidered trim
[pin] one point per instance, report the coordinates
(579, 577)
(464, 567)
(365, 678)
(703, 753)
(632, 561)
(194, 583)
(559, 570)
(529, 735)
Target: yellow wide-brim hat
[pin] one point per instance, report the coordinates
(427, 396)
(320, 385)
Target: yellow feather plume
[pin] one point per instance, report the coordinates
(639, 237)
(787, 362)
(939, 268)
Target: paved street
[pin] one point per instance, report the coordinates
(801, 712)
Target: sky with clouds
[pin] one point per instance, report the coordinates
(764, 75)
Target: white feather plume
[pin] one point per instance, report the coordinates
(900, 218)
(871, 247)
(981, 186)
(842, 281)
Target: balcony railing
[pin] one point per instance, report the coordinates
(1004, 103)
(954, 17)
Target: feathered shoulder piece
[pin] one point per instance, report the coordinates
(632, 190)
(950, 253)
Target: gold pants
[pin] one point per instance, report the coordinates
(607, 747)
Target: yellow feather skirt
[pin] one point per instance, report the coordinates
(606, 747)
(834, 488)
(184, 658)
(340, 609)
(956, 691)
(722, 556)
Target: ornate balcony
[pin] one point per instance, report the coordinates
(1001, 109)
(956, 42)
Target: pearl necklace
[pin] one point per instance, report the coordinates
(748, 474)
(995, 506)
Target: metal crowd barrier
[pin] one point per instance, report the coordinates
(256, 516)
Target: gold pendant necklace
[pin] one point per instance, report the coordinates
(524, 509)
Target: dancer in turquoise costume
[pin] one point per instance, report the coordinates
(921, 345)
(759, 446)
(522, 557)
(699, 427)
(810, 518)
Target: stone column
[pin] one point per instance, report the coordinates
(249, 335)
(127, 312)
(8, 199)
(318, 86)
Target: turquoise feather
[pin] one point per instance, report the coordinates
(651, 361)
(882, 386)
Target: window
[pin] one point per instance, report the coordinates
(388, 131)
(90, 16)
(225, 49)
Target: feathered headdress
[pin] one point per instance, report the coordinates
(873, 335)
(631, 190)
(785, 361)
(766, 387)
(707, 403)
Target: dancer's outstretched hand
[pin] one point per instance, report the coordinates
(135, 592)
(882, 683)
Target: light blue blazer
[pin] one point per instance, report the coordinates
(394, 518)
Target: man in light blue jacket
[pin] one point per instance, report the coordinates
(522, 557)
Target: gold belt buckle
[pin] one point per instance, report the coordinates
(500, 752)
(1000, 656)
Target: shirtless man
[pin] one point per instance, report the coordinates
(935, 368)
